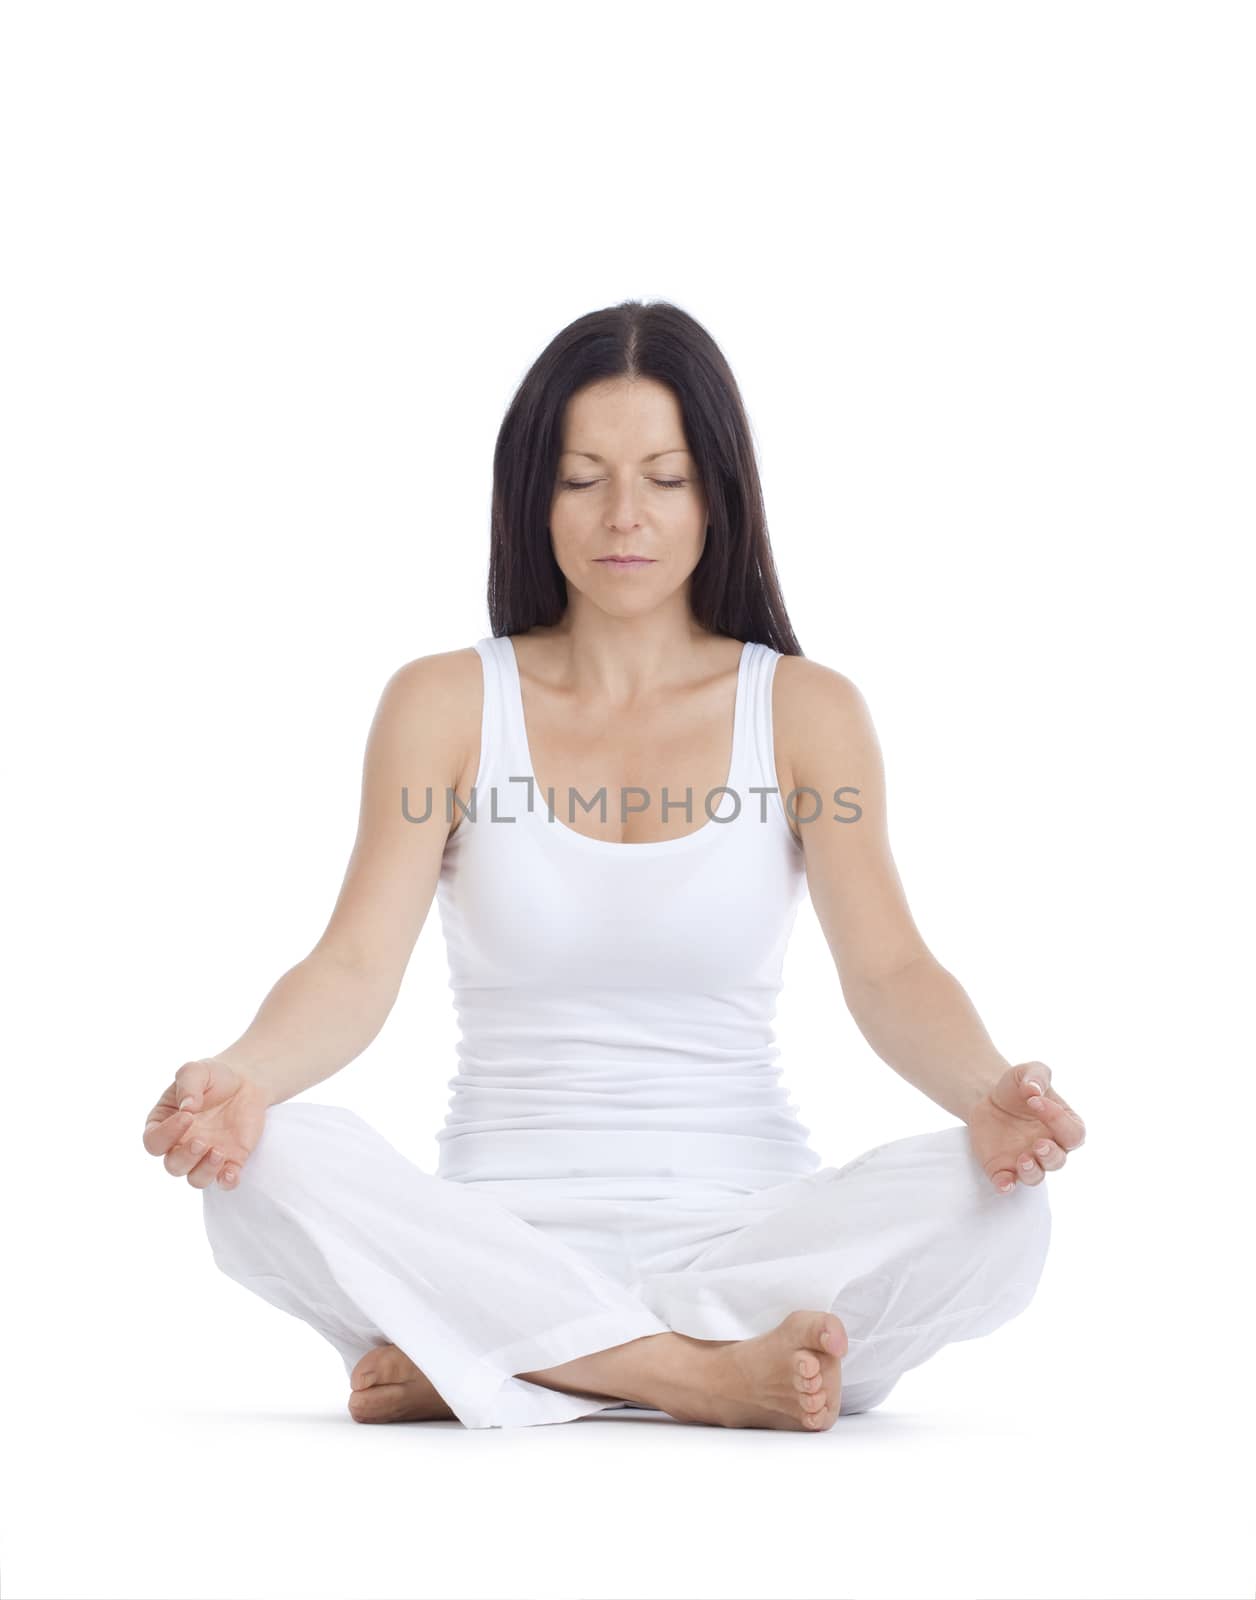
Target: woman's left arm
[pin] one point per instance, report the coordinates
(913, 1012)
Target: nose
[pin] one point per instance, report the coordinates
(624, 515)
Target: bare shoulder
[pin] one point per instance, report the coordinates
(433, 703)
(811, 686)
(853, 881)
(445, 671)
(416, 742)
(822, 722)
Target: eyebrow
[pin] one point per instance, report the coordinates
(588, 454)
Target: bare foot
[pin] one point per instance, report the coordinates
(388, 1387)
(788, 1378)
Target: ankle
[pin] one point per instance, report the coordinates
(679, 1367)
(646, 1370)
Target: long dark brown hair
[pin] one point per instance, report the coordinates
(734, 589)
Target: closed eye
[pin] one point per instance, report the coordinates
(587, 483)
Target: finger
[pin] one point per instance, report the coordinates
(1028, 1170)
(206, 1169)
(1050, 1157)
(169, 1102)
(180, 1161)
(161, 1135)
(1078, 1131)
(165, 1107)
(229, 1175)
(1060, 1120)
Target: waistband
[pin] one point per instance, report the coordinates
(566, 1154)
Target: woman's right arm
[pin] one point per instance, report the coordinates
(327, 1009)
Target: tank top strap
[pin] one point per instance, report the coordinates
(503, 736)
(758, 754)
(503, 746)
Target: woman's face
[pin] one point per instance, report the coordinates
(626, 486)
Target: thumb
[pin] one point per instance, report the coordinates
(1033, 1076)
(1011, 1093)
(191, 1085)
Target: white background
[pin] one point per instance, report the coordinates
(984, 273)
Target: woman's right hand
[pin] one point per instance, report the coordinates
(214, 1133)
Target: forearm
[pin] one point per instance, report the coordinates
(317, 1018)
(921, 1022)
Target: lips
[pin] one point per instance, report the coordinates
(625, 561)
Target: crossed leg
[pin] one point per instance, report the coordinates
(788, 1378)
(395, 1268)
(909, 1244)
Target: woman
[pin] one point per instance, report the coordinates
(626, 1208)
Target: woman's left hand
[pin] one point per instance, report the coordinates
(1022, 1129)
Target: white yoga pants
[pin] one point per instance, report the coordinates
(909, 1244)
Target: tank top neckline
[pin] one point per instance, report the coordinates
(736, 767)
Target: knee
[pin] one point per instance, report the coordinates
(1020, 1230)
(283, 1173)
(1009, 1233)
(297, 1139)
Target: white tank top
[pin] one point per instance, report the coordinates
(615, 1001)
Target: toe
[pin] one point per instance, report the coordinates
(384, 1364)
(395, 1366)
(366, 1372)
(372, 1405)
(821, 1331)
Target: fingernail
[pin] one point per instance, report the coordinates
(1033, 1084)
(185, 1102)
(1042, 1149)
